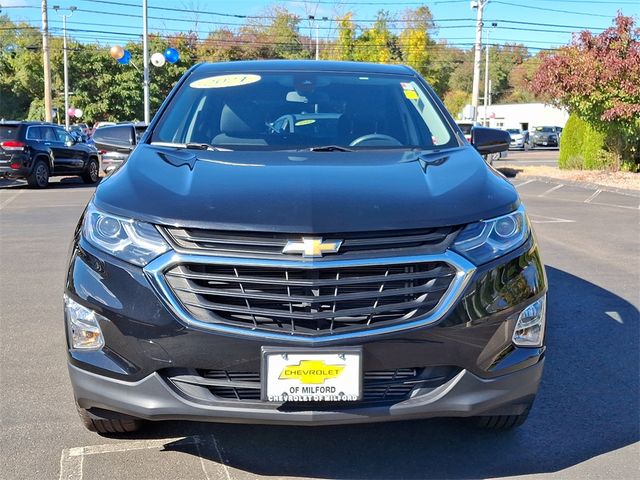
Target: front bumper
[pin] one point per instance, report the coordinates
(144, 339)
(465, 395)
(545, 142)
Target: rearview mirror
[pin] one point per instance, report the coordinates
(490, 140)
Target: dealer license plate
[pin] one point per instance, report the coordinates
(304, 375)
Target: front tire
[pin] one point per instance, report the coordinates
(503, 422)
(39, 177)
(104, 425)
(91, 174)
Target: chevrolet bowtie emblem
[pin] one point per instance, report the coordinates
(312, 247)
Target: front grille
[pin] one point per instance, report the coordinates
(387, 386)
(309, 301)
(269, 244)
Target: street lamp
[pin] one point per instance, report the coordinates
(66, 63)
(315, 23)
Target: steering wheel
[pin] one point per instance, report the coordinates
(376, 140)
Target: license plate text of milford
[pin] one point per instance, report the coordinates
(312, 376)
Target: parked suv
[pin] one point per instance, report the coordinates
(365, 265)
(36, 151)
(116, 142)
(545, 137)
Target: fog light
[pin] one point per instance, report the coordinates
(84, 329)
(529, 331)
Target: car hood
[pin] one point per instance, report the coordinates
(306, 192)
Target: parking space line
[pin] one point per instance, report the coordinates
(594, 195)
(524, 183)
(10, 199)
(545, 219)
(552, 189)
(222, 460)
(204, 469)
(614, 205)
(70, 466)
(72, 459)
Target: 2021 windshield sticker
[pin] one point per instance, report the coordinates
(226, 81)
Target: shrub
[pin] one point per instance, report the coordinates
(583, 147)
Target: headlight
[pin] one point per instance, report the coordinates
(83, 326)
(529, 331)
(129, 240)
(489, 239)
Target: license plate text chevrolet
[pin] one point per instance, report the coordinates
(305, 243)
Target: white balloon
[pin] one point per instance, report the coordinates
(157, 59)
(78, 113)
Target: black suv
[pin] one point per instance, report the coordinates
(36, 151)
(361, 263)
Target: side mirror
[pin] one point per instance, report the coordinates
(112, 139)
(490, 140)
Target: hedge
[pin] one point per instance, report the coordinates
(582, 147)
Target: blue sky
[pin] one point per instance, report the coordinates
(115, 21)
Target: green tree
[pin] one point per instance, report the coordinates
(455, 100)
(345, 44)
(416, 43)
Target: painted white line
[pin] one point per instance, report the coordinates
(614, 205)
(7, 201)
(72, 459)
(544, 219)
(616, 316)
(129, 446)
(594, 195)
(524, 183)
(204, 469)
(552, 189)
(70, 466)
(222, 461)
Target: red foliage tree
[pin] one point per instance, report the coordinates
(597, 77)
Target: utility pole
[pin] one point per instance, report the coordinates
(46, 64)
(486, 76)
(475, 93)
(145, 60)
(66, 62)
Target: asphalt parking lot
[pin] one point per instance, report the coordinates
(585, 423)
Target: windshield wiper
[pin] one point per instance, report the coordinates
(330, 148)
(205, 146)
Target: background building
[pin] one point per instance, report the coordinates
(523, 115)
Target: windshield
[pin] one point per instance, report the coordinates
(513, 130)
(303, 110)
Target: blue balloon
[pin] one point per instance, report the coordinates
(171, 55)
(126, 58)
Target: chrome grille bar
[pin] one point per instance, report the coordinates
(311, 302)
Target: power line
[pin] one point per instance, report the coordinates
(544, 9)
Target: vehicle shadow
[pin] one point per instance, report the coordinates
(587, 406)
